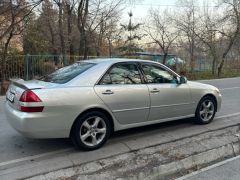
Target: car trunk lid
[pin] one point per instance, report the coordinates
(18, 86)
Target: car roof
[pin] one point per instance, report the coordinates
(113, 60)
(102, 65)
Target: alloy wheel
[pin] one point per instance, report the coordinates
(92, 131)
(207, 110)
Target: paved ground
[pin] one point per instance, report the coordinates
(229, 169)
(14, 147)
(161, 162)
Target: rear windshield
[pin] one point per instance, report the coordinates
(67, 73)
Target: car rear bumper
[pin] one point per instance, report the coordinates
(36, 125)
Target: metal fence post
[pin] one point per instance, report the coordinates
(26, 68)
(64, 60)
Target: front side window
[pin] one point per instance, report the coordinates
(122, 74)
(157, 74)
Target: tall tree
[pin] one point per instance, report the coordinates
(130, 47)
(101, 14)
(208, 36)
(187, 24)
(230, 19)
(161, 30)
(82, 14)
(69, 6)
(60, 5)
(13, 14)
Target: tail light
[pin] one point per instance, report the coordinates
(27, 99)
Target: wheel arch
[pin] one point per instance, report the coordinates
(100, 109)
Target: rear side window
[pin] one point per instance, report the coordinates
(67, 73)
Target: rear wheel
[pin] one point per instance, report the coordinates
(206, 110)
(91, 131)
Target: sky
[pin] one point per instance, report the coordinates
(141, 7)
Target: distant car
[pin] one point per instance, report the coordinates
(90, 99)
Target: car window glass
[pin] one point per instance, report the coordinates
(157, 74)
(67, 73)
(122, 74)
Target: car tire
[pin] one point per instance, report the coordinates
(206, 110)
(91, 131)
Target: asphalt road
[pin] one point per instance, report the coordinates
(14, 147)
(228, 169)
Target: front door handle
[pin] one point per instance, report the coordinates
(154, 90)
(108, 91)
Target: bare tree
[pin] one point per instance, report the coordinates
(60, 5)
(207, 34)
(82, 14)
(69, 6)
(49, 18)
(186, 22)
(101, 16)
(229, 28)
(100, 12)
(113, 34)
(161, 30)
(12, 13)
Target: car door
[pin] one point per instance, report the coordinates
(168, 98)
(122, 90)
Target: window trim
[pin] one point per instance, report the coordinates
(111, 67)
(156, 65)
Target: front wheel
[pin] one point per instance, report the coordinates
(91, 131)
(206, 110)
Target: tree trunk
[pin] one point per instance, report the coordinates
(69, 26)
(3, 63)
(99, 45)
(232, 40)
(214, 64)
(192, 58)
(214, 57)
(53, 49)
(82, 41)
(82, 18)
(83, 45)
(85, 48)
(109, 48)
(60, 24)
(97, 51)
(165, 58)
(71, 53)
(220, 67)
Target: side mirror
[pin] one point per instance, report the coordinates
(181, 80)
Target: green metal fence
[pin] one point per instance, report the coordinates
(34, 66)
(14, 67)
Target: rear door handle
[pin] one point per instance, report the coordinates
(108, 91)
(155, 90)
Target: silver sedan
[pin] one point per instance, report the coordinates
(89, 100)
